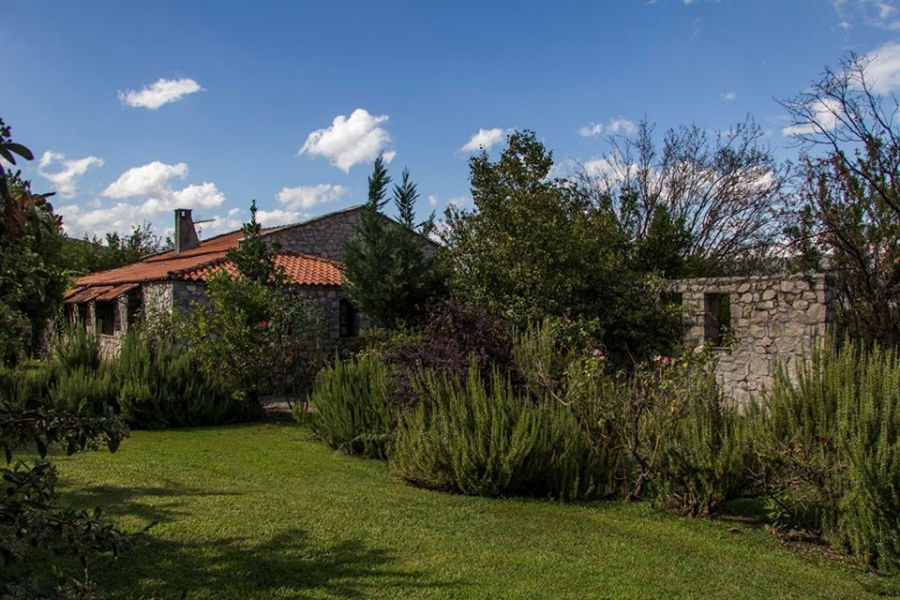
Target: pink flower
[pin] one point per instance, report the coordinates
(665, 360)
(598, 353)
(264, 324)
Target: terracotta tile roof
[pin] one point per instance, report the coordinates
(158, 266)
(195, 265)
(301, 269)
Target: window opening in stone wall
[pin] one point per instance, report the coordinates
(83, 314)
(349, 320)
(134, 306)
(717, 318)
(106, 316)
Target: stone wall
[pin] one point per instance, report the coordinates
(772, 320)
(156, 297)
(323, 236)
(184, 293)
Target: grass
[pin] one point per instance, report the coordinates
(263, 511)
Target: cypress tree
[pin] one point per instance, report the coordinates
(390, 274)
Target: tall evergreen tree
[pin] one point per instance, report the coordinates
(390, 272)
(253, 257)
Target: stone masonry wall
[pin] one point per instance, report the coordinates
(156, 297)
(184, 293)
(325, 236)
(773, 320)
(321, 237)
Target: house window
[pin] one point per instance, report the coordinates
(349, 320)
(107, 317)
(134, 306)
(83, 314)
(717, 318)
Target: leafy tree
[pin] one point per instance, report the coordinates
(848, 219)
(31, 277)
(254, 331)
(92, 254)
(391, 268)
(33, 520)
(707, 200)
(536, 247)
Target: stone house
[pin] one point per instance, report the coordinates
(757, 322)
(110, 301)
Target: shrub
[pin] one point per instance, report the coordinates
(76, 348)
(85, 391)
(478, 439)
(25, 386)
(353, 408)
(832, 449)
(161, 385)
(453, 336)
(257, 338)
(706, 458)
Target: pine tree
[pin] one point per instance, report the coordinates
(253, 258)
(390, 274)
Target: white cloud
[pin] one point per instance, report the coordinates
(622, 124)
(152, 178)
(590, 129)
(883, 70)
(156, 198)
(65, 179)
(350, 140)
(278, 216)
(220, 224)
(432, 200)
(484, 138)
(162, 92)
(881, 14)
(306, 197)
(728, 96)
(825, 112)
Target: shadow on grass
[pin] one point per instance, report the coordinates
(119, 501)
(288, 565)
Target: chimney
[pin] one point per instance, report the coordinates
(185, 235)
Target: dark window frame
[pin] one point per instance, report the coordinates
(717, 322)
(348, 319)
(106, 316)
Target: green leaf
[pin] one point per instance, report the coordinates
(20, 150)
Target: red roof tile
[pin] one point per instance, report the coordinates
(301, 269)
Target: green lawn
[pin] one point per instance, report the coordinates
(263, 511)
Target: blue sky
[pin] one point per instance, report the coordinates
(134, 108)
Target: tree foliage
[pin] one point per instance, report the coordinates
(391, 269)
(92, 254)
(848, 219)
(535, 247)
(32, 518)
(31, 272)
(253, 257)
